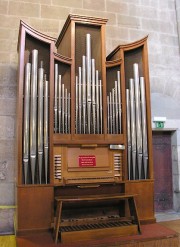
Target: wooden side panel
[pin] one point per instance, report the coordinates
(34, 208)
(144, 199)
(64, 47)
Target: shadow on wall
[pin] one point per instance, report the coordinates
(164, 106)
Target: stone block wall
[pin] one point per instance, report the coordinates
(128, 21)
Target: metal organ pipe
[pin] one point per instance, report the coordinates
(77, 105)
(26, 120)
(40, 121)
(144, 127)
(88, 73)
(89, 113)
(138, 118)
(63, 113)
(35, 128)
(97, 100)
(101, 108)
(93, 96)
(46, 130)
(84, 92)
(55, 96)
(110, 113)
(60, 103)
(66, 111)
(133, 127)
(137, 127)
(80, 100)
(119, 98)
(114, 108)
(128, 132)
(33, 114)
(69, 112)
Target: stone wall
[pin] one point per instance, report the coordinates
(128, 21)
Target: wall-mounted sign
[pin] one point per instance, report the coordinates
(159, 122)
(159, 125)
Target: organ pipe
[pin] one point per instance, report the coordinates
(26, 120)
(35, 128)
(40, 121)
(89, 110)
(33, 114)
(137, 127)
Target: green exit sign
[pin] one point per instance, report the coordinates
(159, 124)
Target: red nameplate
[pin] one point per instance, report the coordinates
(87, 160)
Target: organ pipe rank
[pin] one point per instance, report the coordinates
(89, 109)
(136, 127)
(114, 108)
(35, 129)
(62, 105)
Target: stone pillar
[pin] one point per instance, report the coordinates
(177, 5)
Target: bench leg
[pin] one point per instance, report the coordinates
(58, 220)
(133, 211)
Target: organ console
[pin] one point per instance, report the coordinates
(84, 132)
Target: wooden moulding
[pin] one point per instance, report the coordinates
(80, 19)
(128, 46)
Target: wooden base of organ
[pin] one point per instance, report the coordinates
(88, 227)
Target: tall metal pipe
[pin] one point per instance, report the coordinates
(40, 121)
(80, 101)
(116, 109)
(46, 131)
(93, 96)
(113, 111)
(119, 98)
(26, 120)
(33, 114)
(100, 108)
(69, 113)
(138, 118)
(60, 102)
(66, 111)
(84, 92)
(128, 132)
(63, 109)
(97, 100)
(77, 104)
(88, 72)
(55, 97)
(108, 114)
(144, 127)
(133, 127)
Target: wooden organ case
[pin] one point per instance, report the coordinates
(84, 143)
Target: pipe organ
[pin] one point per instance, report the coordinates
(83, 129)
